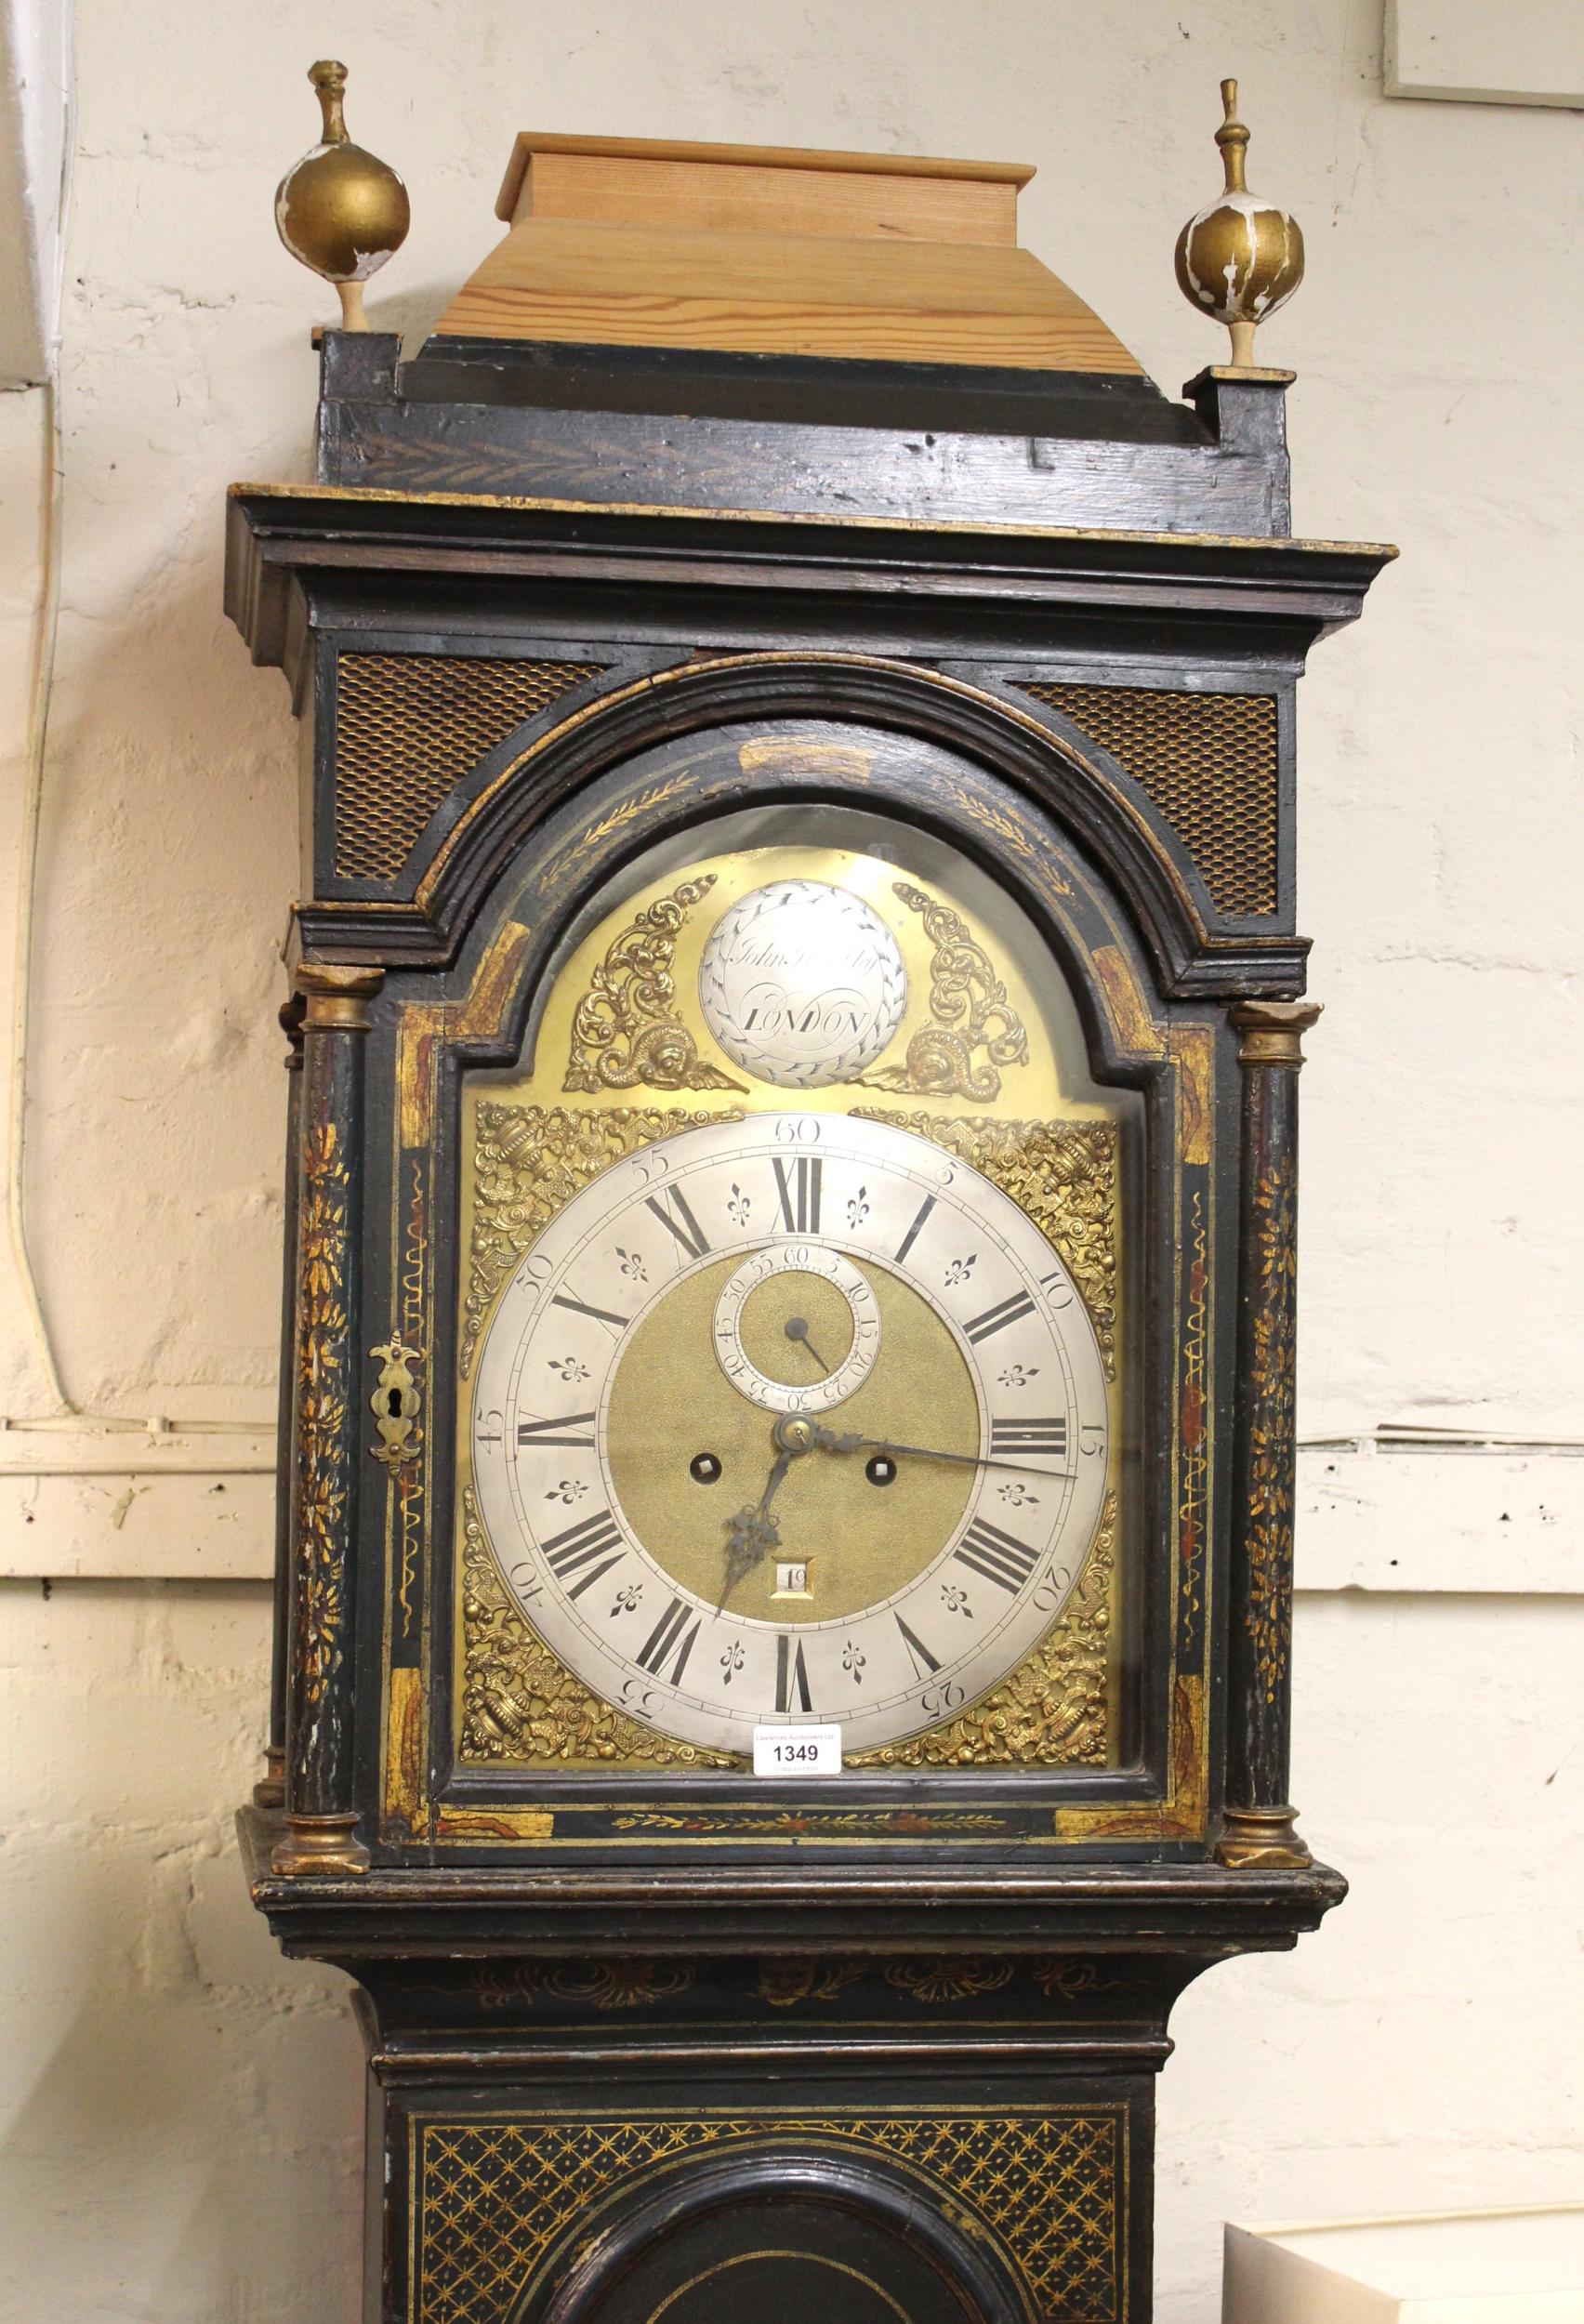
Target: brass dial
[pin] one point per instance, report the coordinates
(855, 1540)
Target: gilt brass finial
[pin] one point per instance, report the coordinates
(1239, 258)
(340, 211)
(1233, 138)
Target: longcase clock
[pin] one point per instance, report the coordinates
(784, 1570)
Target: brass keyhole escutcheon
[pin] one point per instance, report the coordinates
(395, 1403)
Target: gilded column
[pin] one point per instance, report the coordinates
(1259, 1828)
(269, 1791)
(321, 1823)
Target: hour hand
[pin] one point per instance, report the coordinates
(753, 1532)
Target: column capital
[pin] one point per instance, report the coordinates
(291, 1013)
(336, 994)
(1273, 1030)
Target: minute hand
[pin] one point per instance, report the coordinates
(828, 1441)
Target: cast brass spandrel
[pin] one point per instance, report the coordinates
(528, 1161)
(520, 1703)
(629, 1032)
(1054, 1710)
(1062, 1174)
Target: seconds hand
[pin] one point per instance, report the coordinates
(797, 1328)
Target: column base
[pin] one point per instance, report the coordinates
(326, 1846)
(269, 1791)
(1261, 1838)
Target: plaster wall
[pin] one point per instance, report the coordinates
(180, 2108)
(34, 127)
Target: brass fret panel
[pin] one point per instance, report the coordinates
(492, 2196)
(408, 726)
(1209, 761)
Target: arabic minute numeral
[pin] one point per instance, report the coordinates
(1052, 1587)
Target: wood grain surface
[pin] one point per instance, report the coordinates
(745, 195)
(573, 279)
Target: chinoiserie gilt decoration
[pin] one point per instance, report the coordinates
(1240, 257)
(784, 1562)
(340, 211)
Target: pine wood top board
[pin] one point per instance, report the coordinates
(767, 188)
(901, 301)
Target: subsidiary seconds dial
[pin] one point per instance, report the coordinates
(796, 1416)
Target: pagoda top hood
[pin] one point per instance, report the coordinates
(764, 250)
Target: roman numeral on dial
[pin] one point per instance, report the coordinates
(797, 1184)
(587, 1550)
(1048, 1438)
(1010, 1311)
(916, 1230)
(557, 1432)
(997, 1555)
(581, 1307)
(924, 1663)
(791, 1677)
(666, 1650)
(671, 1208)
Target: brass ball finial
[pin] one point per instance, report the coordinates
(1239, 258)
(340, 211)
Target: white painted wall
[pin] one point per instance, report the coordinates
(34, 86)
(181, 2107)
